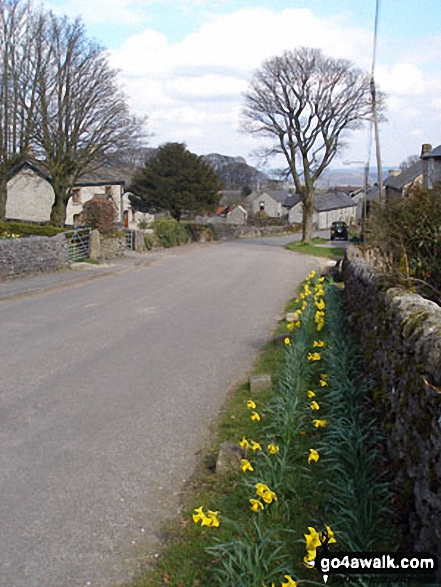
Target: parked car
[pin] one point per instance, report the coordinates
(339, 230)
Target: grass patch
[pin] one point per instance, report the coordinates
(88, 260)
(326, 252)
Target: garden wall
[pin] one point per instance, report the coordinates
(400, 334)
(23, 256)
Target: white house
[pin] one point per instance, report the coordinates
(30, 195)
(267, 202)
(328, 208)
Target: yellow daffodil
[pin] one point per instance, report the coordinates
(314, 406)
(265, 493)
(289, 582)
(255, 417)
(313, 274)
(213, 516)
(302, 296)
(319, 343)
(312, 539)
(290, 326)
(287, 341)
(313, 456)
(273, 449)
(210, 520)
(323, 383)
(321, 279)
(244, 443)
(310, 393)
(256, 504)
(199, 515)
(320, 304)
(255, 445)
(324, 376)
(245, 465)
(320, 423)
(330, 533)
(314, 357)
(251, 405)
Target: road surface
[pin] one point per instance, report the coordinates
(107, 391)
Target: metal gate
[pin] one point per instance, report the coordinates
(78, 243)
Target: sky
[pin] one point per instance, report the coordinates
(186, 64)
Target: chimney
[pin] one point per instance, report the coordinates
(425, 148)
(394, 172)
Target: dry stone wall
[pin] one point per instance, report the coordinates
(400, 334)
(24, 256)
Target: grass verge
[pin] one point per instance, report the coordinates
(317, 251)
(325, 480)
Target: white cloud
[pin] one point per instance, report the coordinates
(401, 79)
(192, 90)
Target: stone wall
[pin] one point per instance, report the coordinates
(112, 247)
(231, 232)
(400, 334)
(23, 256)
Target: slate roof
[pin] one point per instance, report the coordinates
(332, 201)
(103, 176)
(398, 182)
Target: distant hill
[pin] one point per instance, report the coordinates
(234, 172)
(353, 176)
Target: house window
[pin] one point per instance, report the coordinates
(262, 206)
(109, 195)
(76, 196)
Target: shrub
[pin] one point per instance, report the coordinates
(406, 233)
(100, 214)
(169, 232)
(24, 229)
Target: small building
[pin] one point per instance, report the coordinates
(30, 195)
(431, 166)
(400, 182)
(269, 202)
(328, 208)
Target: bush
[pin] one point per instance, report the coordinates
(406, 234)
(169, 232)
(100, 214)
(23, 229)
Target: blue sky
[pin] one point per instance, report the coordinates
(185, 63)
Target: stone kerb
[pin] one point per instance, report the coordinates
(400, 335)
(25, 256)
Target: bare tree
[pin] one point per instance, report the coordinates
(17, 87)
(82, 117)
(305, 101)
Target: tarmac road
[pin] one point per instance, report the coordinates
(107, 390)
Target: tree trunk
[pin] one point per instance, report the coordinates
(58, 212)
(3, 194)
(308, 214)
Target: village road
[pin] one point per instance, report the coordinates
(107, 391)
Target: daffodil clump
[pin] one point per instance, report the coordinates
(301, 436)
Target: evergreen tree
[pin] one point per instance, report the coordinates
(176, 181)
